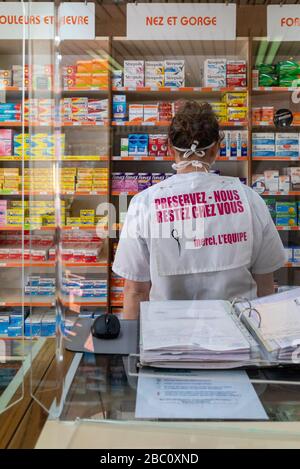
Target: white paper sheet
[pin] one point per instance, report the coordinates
(225, 395)
(190, 331)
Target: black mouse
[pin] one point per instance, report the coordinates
(106, 326)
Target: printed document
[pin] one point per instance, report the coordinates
(224, 395)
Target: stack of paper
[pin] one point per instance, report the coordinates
(188, 333)
(275, 322)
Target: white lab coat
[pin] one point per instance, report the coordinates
(198, 236)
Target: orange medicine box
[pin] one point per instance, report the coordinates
(84, 66)
(99, 81)
(136, 113)
(100, 66)
(267, 113)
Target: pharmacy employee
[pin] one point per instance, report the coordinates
(196, 235)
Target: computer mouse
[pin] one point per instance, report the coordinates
(106, 326)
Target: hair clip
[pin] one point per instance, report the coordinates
(194, 145)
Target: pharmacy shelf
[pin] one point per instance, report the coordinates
(288, 228)
(232, 158)
(116, 304)
(84, 124)
(11, 88)
(53, 124)
(65, 90)
(274, 158)
(50, 228)
(45, 193)
(85, 264)
(183, 89)
(85, 193)
(54, 160)
(275, 89)
(13, 298)
(129, 193)
(170, 158)
(26, 228)
(51, 264)
(284, 194)
(167, 124)
(141, 124)
(270, 125)
(142, 158)
(9, 264)
(94, 91)
(79, 301)
(51, 194)
(80, 227)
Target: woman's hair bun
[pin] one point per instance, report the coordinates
(194, 121)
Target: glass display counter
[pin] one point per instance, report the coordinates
(99, 412)
(102, 389)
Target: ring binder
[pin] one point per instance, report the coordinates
(250, 308)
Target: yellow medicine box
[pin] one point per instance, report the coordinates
(73, 221)
(237, 114)
(235, 99)
(87, 213)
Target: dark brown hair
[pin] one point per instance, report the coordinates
(194, 121)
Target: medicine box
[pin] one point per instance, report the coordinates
(244, 143)
(286, 209)
(174, 81)
(214, 68)
(118, 180)
(237, 114)
(131, 182)
(287, 154)
(157, 177)
(284, 183)
(144, 181)
(236, 81)
(154, 81)
(119, 107)
(235, 144)
(296, 254)
(124, 146)
(263, 138)
(236, 67)
(288, 138)
(263, 153)
(262, 147)
(215, 82)
(48, 325)
(133, 82)
(175, 68)
(136, 113)
(272, 180)
(150, 112)
(225, 144)
(154, 68)
(133, 68)
(285, 221)
(294, 173)
(289, 251)
(137, 144)
(4, 323)
(235, 99)
(287, 147)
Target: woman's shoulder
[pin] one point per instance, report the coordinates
(150, 192)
